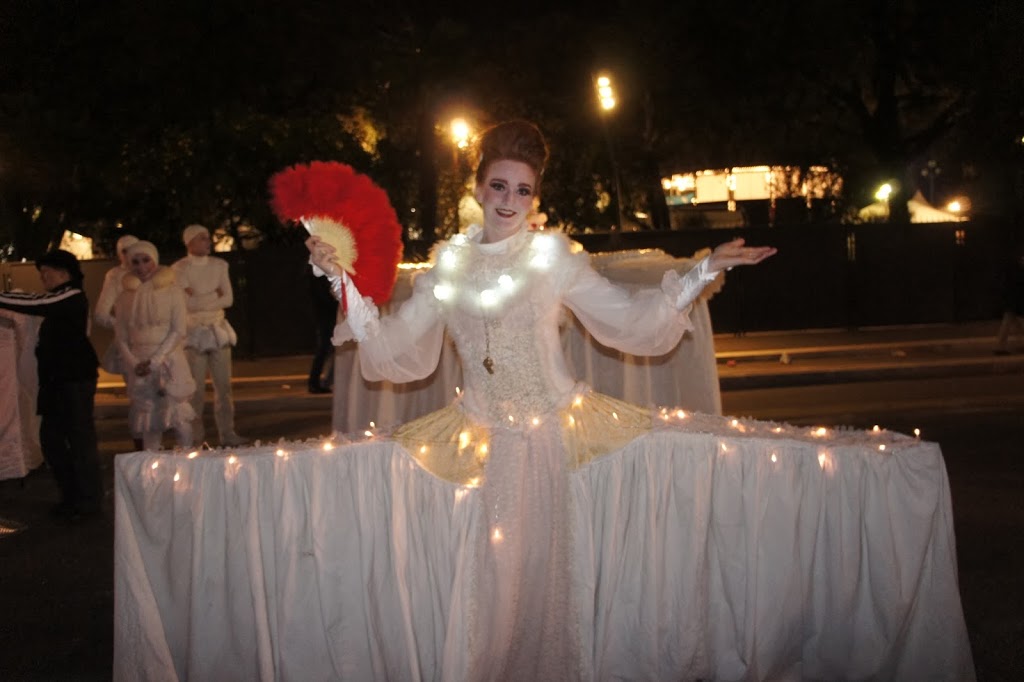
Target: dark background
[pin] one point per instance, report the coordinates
(145, 116)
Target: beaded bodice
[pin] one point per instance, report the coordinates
(501, 305)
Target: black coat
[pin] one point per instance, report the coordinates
(63, 352)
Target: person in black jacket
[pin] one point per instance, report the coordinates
(66, 363)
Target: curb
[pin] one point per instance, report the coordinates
(871, 373)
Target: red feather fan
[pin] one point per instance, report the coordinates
(349, 209)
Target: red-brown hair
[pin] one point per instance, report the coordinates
(512, 141)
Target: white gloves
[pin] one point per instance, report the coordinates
(684, 290)
(361, 313)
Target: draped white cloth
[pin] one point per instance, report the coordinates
(686, 376)
(705, 549)
(20, 451)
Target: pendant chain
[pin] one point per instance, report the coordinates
(488, 362)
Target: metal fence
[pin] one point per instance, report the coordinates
(824, 276)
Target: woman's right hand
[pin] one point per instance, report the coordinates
(730, 254)
(323, 257)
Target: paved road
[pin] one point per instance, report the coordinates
(56, 583)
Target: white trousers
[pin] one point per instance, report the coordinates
(218, 364)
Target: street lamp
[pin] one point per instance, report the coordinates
(606, 99)
(460, 132)
(458, 188)
(882, 194)
(605, 94)
(931, 171)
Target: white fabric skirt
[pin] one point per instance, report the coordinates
(705, 549)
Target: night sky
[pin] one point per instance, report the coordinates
(149, 112)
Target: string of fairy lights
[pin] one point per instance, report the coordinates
(730, 431)
(727, 429)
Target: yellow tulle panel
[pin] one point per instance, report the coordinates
(448, 444)
(595, 424)
(451, 445)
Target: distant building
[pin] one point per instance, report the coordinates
(750, 195)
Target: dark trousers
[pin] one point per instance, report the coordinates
(323, 355)
(67, 434)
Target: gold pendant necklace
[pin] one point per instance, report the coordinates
(488, 363)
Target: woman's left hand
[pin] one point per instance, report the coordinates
(731, 254)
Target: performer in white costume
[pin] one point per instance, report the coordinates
(522, 424)
(150, 327)
(204, 279)
(103, 315)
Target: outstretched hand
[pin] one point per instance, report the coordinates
(731, 254)
(323, 256)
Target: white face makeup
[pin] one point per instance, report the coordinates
(142, 265)
(506, 196)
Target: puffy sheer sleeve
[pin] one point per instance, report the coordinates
(648, 321)
(406, 345)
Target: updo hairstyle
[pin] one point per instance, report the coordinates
(512, 141)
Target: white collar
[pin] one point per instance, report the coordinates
(475, 233)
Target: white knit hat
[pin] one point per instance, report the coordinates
(193, 231)
(144, 247)
(124, 242)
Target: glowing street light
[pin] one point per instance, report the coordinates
(884, 192)
(461, 132)
(606, 99)
(605, 93)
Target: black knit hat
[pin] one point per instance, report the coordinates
(62, 260)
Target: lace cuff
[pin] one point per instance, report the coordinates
(684, 290)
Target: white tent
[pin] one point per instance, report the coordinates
(920, 212)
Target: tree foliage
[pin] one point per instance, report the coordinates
(155, 115)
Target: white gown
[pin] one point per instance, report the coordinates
(523, 423)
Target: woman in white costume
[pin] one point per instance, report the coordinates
(103, 314)
(204, 279)
(150, 332)
(523, 423)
